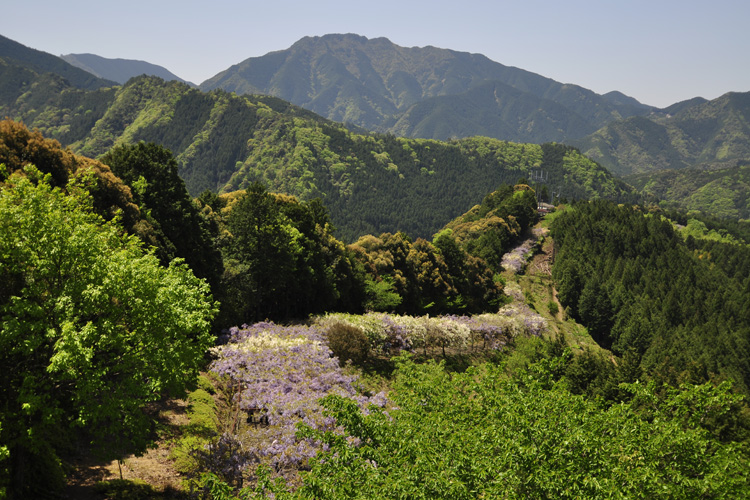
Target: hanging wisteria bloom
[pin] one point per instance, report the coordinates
(516, 259)
(280, 374)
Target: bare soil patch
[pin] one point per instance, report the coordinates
(153, 467)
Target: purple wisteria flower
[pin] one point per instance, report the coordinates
(282, 372)
(516, 259)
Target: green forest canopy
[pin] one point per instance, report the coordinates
(93, 329)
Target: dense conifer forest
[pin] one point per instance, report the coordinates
(679, 306)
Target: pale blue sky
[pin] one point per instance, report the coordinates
(658, 51)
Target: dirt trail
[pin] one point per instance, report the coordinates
(541, 265)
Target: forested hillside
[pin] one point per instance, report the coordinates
(723, 192)
(375, 84)
(679, 307)
(492, 109)
(713, 134)
(268, 255)
(370, 183)
(101, 263)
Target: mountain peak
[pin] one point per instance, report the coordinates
(374, 83)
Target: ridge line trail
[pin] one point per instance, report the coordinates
(541, 265)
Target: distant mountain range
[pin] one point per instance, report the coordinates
(18, 55)
(371, 183)
(424, 91)
(119, 70)
(371, 84)
(696, 133)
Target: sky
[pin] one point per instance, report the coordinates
(658, 51)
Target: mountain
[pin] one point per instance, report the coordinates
(378, 85)
(15, 54)
(119, 70)
(371, 183)
(679, 106)
(491, 109)
(621, 99)
(721, 193)
(694, 133)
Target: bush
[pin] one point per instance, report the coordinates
(183, 454)
(348, 342)
(202, 412)
(201, 427)
(206, 384)
(553, 307)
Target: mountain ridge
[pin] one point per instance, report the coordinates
(44, 62)
(697, 134)
(118, 69)
(372, 83)
(712, 132)
(371, 183)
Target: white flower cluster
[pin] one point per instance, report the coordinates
(265, 341)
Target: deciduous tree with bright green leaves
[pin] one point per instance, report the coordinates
(480, 434)
(92, 329)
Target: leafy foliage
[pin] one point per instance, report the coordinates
(160, 193)
(419, 276)
(111, 197)
(91, 327)
(282, 261)
(489, 230)
(480, 434)
(348, 343)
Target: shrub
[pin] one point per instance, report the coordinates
(202, 418)
(206, 384)
(202, 412)
(553, 307)
(183, 454)
(348, 342)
